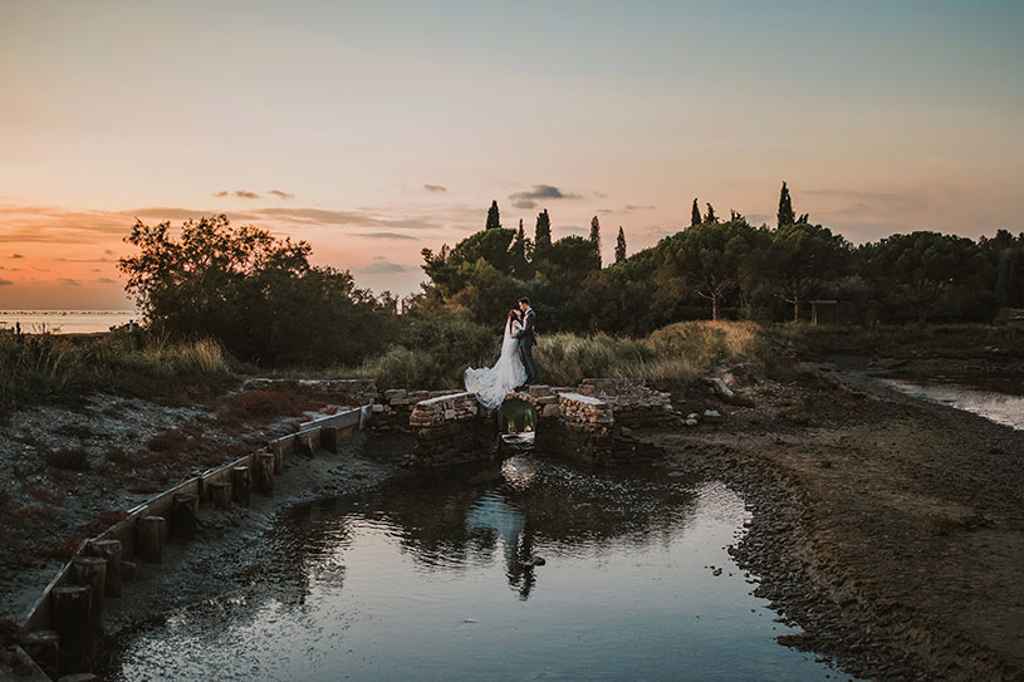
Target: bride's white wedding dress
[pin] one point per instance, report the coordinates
(492, 384)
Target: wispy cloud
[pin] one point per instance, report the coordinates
(384, 235)
(640, 207)
(529, 198)
(382, 266)
(6, 283)
(64, 281)
(281, 194)
(435, 188)
(240, 193)
(16, 256)
(106, 280)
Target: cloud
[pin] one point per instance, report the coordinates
(64, 281)
(639, 207)
(382, 266)
(83, 260)
(524, 203)
(601, 195)
(384, 235)
(240, 193)
(435, 188)
(542, 192)
(6, 283)
(16, 256)
(281, 194)
(106, 280)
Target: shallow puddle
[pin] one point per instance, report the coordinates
(434, 580)
(998, 407)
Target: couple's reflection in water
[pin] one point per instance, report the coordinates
(450, 521)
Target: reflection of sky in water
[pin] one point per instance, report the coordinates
(999, 407)
(429, 583)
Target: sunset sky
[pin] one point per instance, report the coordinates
(373, 130)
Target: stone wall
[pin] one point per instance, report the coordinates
(635, 403)
(345, 391)
(451, 429)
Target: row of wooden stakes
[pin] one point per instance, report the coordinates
(101, 568)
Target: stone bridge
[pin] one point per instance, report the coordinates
(580, 422)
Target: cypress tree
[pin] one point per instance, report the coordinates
(520, 254)
(620, 246)
(695, 218)
(711, 217)
(595, 236)
(542, 234)
(786, 215)
(493, 217)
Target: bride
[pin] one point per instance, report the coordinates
(492, 384)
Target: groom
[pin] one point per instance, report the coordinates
(527, 338)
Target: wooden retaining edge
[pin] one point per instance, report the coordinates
(38, 616)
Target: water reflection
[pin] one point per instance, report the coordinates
(999, 407)
(414, 581)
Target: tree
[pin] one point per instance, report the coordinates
(620, 246)
(710, 217)
(251, 291)
(521, 249)
(695, 217)
(923, 268)
(493, 217)
(542, 235)
(595, 238)
(707, 259)
(451, 271)
(802, 257)
(785, 216)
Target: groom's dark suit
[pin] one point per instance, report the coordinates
(527, 338)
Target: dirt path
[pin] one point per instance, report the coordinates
(891, 530)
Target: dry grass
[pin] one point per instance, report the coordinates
(678, 353)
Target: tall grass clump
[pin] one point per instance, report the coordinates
(46, 367)
(678, 353)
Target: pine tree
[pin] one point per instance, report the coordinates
(542, 235)
(786, 216)
(595, 236)
(493, 217)
(620, 246)
(521, 254)
(710, 217)
(695, 218)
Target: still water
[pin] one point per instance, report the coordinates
(65, 321)
(998, 407)
(433, 581)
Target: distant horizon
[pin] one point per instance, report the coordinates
(373, 133)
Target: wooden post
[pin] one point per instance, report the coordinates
(44, 648)
(329, 439)
(240, 484)
(150, 531)
(129, 569)
(278, 458)
(220, 493)
(112, 551)
(304, 444)
(91, 572)
(346, 432)
(70, 609)
(183, 516)
(265, 471)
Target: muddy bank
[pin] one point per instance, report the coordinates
(67, 473)
(890, 530)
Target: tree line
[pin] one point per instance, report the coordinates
(268, 305)
(718, 267)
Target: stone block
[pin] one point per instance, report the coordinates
(395, 394)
